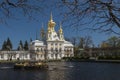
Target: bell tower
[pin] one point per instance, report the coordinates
(51, 33)
(51, 24)
(61, 37)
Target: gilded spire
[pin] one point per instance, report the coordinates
(60, 30)
(51, 19)
(51, 23)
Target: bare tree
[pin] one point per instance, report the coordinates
(85, 42)
(14, 8)
(105, 14)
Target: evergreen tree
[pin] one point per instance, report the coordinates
(26, 45)
(20, 46)
(8, 44)
(4, 46)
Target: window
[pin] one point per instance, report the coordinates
(41, 49)
(64, 49)
(56, 49)
(41, 55)
(37, 49)
(60, 44)
(26, 55)
(60, 55)
(14, 56)
(2, 56)
(55, 43)
(51, 49)
(44, 49)
(60, 50)
(51, 55)
(37, 55)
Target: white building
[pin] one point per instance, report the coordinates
(54, 47)
(14, 55)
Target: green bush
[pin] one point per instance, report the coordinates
(109, 57)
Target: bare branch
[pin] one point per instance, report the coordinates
(102, 13)
(11, 8)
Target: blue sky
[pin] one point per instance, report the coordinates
(24, 29)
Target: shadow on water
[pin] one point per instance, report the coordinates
(64, 71)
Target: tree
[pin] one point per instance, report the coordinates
(26, 45)
(20, 46)
(111, 46)
(81, 43)
(103, 13)
(9, 44)
(104, 45)
(13, 8)
(4, 46)
(74, 40)
(85, 42)
(113, 41)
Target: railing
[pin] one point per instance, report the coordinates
(14, 52)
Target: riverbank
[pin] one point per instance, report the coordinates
(96, 61)
(12, 61)
(87, 60)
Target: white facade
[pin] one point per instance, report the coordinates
(14, 55)
(54, 47)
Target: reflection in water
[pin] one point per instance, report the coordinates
(65, 71)
(57, 71)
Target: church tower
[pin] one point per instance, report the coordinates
(61, 36)
(51, 24)
(42, 34)
(52, 45)
(51, 33)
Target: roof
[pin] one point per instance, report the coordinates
(37, 43)
(67, 43)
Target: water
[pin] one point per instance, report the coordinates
(64, 71)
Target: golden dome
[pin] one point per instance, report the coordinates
(51, 23)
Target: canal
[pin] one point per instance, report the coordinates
(64, 71)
